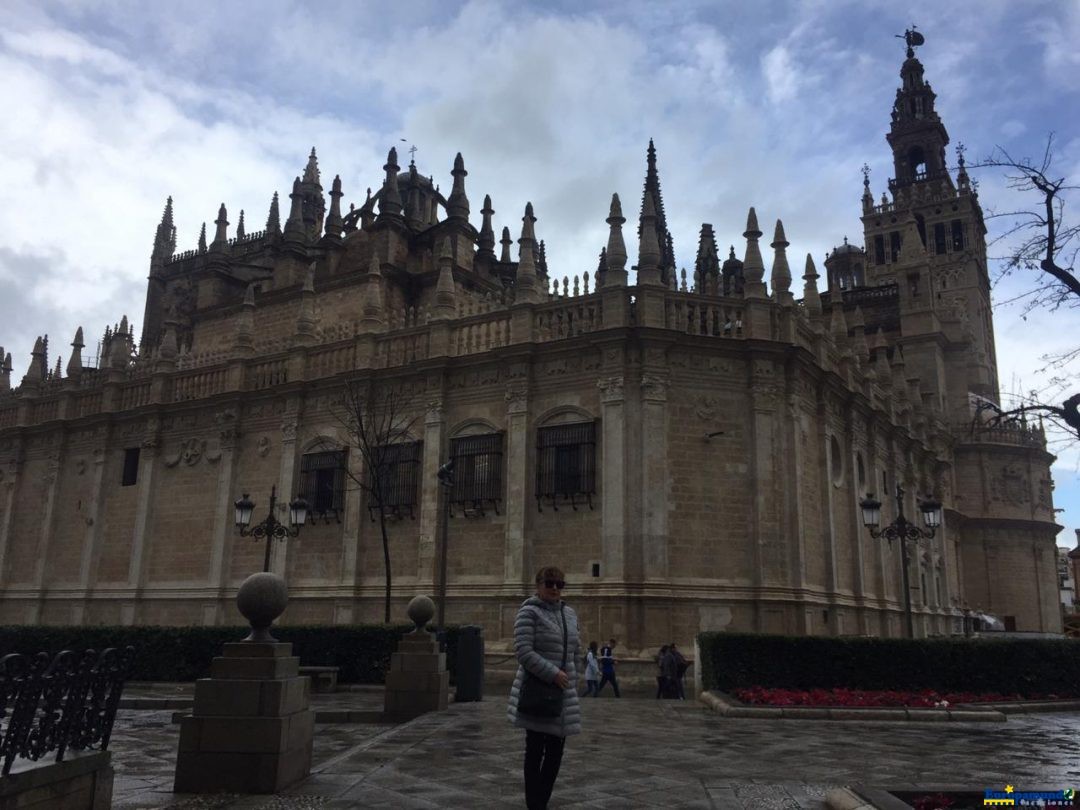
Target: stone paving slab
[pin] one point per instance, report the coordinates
(634, 753)
(966, 713)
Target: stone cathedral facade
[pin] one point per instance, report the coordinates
(690, 448)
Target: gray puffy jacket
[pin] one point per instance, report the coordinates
(538, 642)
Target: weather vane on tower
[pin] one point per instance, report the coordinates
(913, 39)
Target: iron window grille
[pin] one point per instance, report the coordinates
(397, 472)
(566, 464)
(322, 483)
(477, 473)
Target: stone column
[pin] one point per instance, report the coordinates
(517, 481)
(223, 531)
(350, 532)
(791, 489)
(762, 533)
(50, 482)
(144, 504)
(654, 475)
(279, 551)
(856, 437)
(613, 471)
(91, 551)
(434, 431)
(9, 480)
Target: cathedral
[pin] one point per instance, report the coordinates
(692, 449)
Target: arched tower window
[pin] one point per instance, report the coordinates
(916, 161)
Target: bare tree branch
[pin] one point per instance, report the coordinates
(376, 417)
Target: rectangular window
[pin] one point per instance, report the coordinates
(566, 464)
(894, 246)
(397, 472)
(130, 476)
(939, 238)
(879, 249)
(477, 471)
(957, 235)
(322, 483)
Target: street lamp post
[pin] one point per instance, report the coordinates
(446, 483)
(271, 528)
(903, 530)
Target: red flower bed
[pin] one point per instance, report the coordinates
(927, 698)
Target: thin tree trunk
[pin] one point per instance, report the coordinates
(386, 563)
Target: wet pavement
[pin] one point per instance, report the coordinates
(634, 753)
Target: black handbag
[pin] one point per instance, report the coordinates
(537, 697)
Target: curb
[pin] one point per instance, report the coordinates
(323, 716)
(724, 706)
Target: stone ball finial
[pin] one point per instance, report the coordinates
(421, 610)
(261, 599)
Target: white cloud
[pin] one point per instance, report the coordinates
(780, 74)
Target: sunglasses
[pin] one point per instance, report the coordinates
(554, 583)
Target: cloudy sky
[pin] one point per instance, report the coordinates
(112, 106)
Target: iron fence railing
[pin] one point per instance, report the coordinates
(67, 703)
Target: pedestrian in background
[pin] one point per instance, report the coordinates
(547, 647)
(681, 665)
(592, 671)
(661, 679)
(607, 668)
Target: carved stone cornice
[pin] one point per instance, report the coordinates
(653, 388)
(517, 398)
(611, 389)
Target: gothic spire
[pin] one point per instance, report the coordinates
(390, 198)
(506, 242)
(202, 239)
(708, 259)
(485, 244)
(311, 171)
(753, 265)
(781, 272)
(526, 274)
(601, 268)
(811, 296)
(165, 236)
(334, 223)
(445, 290)
(273, 221)
(240, 234)
(541, 261)
(294, 226)
(652, 189)
(457, 205)
(649, 254)
(615, 275)
(221, 234)
(74, 366)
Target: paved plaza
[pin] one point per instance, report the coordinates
(634, 752)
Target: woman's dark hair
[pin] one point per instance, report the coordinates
(550, 572)
(593, 646)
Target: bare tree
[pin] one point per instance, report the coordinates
(1040, 239)
(376, 418)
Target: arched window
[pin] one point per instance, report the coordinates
(566, 464)
(477, 453)
(916, 162)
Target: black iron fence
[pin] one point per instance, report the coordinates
(66, 703)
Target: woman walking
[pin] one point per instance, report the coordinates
(544, 699)
(592, 671)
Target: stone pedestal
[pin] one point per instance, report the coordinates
(417, 681)
(251, 729)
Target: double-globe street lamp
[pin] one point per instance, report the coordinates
(903, 530)
(271, 528)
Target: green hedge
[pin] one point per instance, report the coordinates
(1011, 665)
(184, 653)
